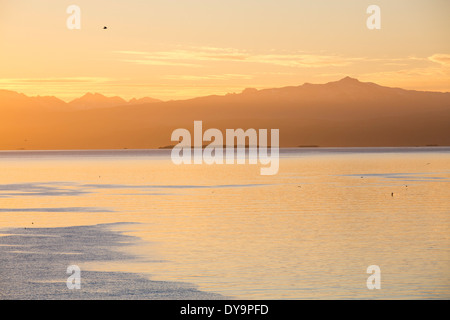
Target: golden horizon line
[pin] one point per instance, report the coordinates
(169, 147)
(209, 95)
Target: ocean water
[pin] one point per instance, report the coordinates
(309, 232)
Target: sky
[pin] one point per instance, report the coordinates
(180, 49)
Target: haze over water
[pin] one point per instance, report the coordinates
(310, 231)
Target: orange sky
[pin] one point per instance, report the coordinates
(179, 49)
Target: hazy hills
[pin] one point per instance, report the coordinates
(342, 113)
(96, 100)
(13, 100)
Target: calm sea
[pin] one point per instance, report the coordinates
(310, 231)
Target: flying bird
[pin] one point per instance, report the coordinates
(105, 27)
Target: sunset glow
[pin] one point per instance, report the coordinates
(183, 49)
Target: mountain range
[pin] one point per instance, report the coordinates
(344, 113)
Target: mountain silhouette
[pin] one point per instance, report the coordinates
(13, 101)
(344, 113)
(97, 100)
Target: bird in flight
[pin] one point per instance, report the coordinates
(105, 27)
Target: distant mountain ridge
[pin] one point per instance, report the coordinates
(87, 101)
(97, 100)
(344, 113)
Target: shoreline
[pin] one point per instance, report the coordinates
(34, 261)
